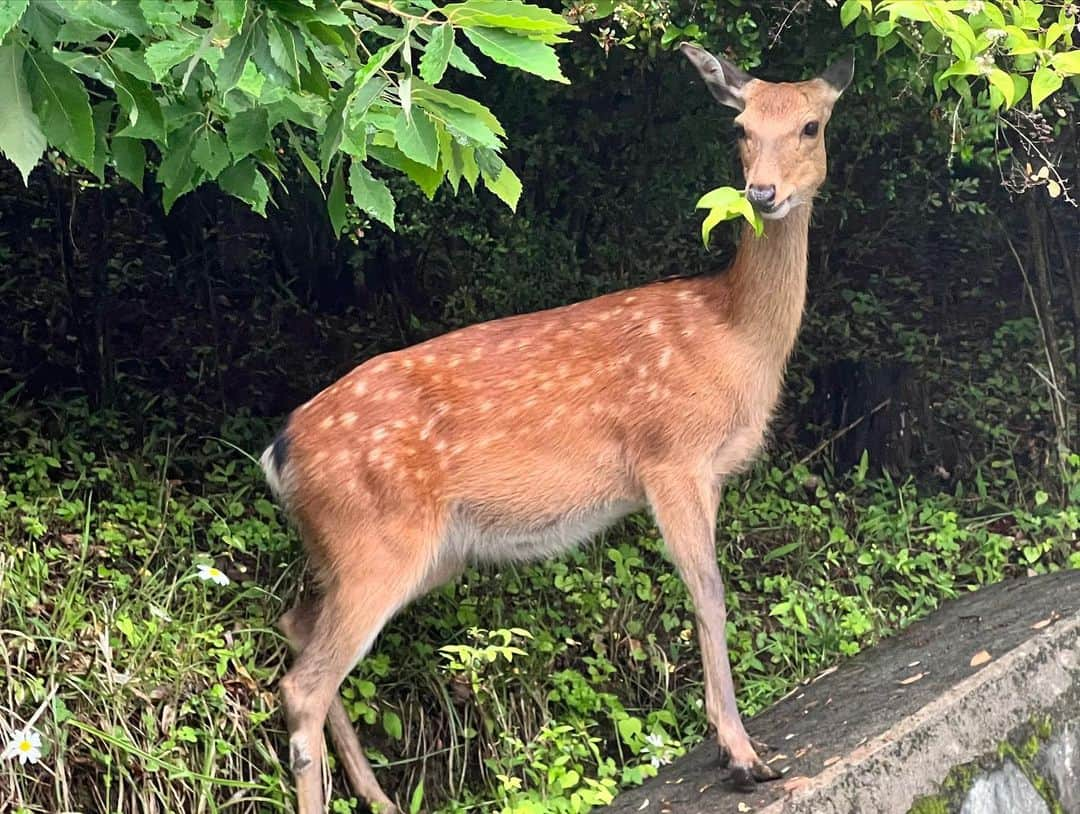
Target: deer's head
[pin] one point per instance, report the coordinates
(780, 128)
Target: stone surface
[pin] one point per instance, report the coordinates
(1059, 762)
(887, 726)
(1004, 791)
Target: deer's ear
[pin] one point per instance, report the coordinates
(725, 81)
(839, 75)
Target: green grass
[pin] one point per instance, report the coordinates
(532, 689)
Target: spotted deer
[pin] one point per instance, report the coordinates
(518, 439)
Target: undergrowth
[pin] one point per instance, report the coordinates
(529, 689)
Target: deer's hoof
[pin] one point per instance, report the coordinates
(745, 778)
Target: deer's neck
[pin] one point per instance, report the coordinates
(767, 283)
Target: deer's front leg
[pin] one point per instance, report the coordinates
(685, 510)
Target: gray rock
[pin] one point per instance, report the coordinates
(1060, 762)
(1004, 791)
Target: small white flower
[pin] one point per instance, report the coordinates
(26, 746)
(655, 740)
(974, 7)
(208, 573)
(985, 62)
(995, 34)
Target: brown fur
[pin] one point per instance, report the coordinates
(512, 439)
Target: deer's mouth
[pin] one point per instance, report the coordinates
(777, 211)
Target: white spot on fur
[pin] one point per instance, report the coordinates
(374, 455)
(379, 433)
(654, 327)
(327, 423)
(348, 419)
(665, 358)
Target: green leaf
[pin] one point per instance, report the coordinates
(177, 170)
(506, 14)
(1067, 63)
(309, 165)
(470, 169)
(79, 31)
(335, 123)
(416, 138)
(363, 99)
(726, 203)
(261, 54)
(283, 51)
(234, 58)
(517, 52)
(231, 12)
(129, 155)
(462, 124)
(392, 724)
(370, 194)
(168, 13)
(210, 152)
(437, 56)
(125, 17)
(21, 139)
(162, 56)
(248, 132)
(462, 62)
(1003, 82)
(335, 203)
(416, 802)
(11, 11)
(426, 178)
(62, 106)
(131, 62)
(145, 119)
(424, 94)
(849, 12)
(102, 117)
(1043, 83)
(244, 181)
(499, 178)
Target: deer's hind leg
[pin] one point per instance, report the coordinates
(297, 625)
(373, 575)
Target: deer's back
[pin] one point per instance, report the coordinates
(522, 436)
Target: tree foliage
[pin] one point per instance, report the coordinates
(231, 91)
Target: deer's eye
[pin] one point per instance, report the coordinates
(740, 131)
(810, 129)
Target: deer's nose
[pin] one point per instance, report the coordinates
(762, 196)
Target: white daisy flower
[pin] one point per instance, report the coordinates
(26, 746)
(208, 573)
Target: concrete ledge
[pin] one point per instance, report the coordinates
(887, 726)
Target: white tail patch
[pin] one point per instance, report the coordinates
(275, 478)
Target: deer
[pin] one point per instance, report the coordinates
(518, 439)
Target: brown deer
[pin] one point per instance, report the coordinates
(520, 438)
